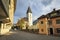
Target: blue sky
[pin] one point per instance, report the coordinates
(38, 7)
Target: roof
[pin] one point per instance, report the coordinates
(35, 22)
(29, 10)
(54, 11)
(2, 6)
(49, 14)
(43, 16)
(25, 18)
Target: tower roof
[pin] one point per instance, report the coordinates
(29, 10)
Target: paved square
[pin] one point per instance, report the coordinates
(20, 35)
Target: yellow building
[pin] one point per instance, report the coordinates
(50, 24)
(7, 8)
(42, 24)
(54, 22)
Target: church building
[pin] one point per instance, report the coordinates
(29, 16)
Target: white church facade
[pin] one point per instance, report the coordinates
(29, 17)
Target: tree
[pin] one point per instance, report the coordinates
(21, 23)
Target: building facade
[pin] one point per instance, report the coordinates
(7, 8)
(42, 24)
(50, 23)
(35, 24)
(29, 16)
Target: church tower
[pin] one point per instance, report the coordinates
(29, 16)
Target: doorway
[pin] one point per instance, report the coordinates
(51, 31)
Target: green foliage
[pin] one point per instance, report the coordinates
(21, 23)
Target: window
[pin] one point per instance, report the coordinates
(49, 22)
(54, 14)
(58, 13)
(58, 30)
(42, 30)
(58, 21)
(41, 22)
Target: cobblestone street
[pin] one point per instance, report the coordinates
(20, 35)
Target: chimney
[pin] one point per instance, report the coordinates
(54, 9)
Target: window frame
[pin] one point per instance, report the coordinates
(41, 22)
(58, 30)
(58, 21)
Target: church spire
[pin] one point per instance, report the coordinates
(29, 10)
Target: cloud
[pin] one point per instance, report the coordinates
(38, 7)
(46, 2)
(51, 6)
(20, 9)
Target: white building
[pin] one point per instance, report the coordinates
(29, 16)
